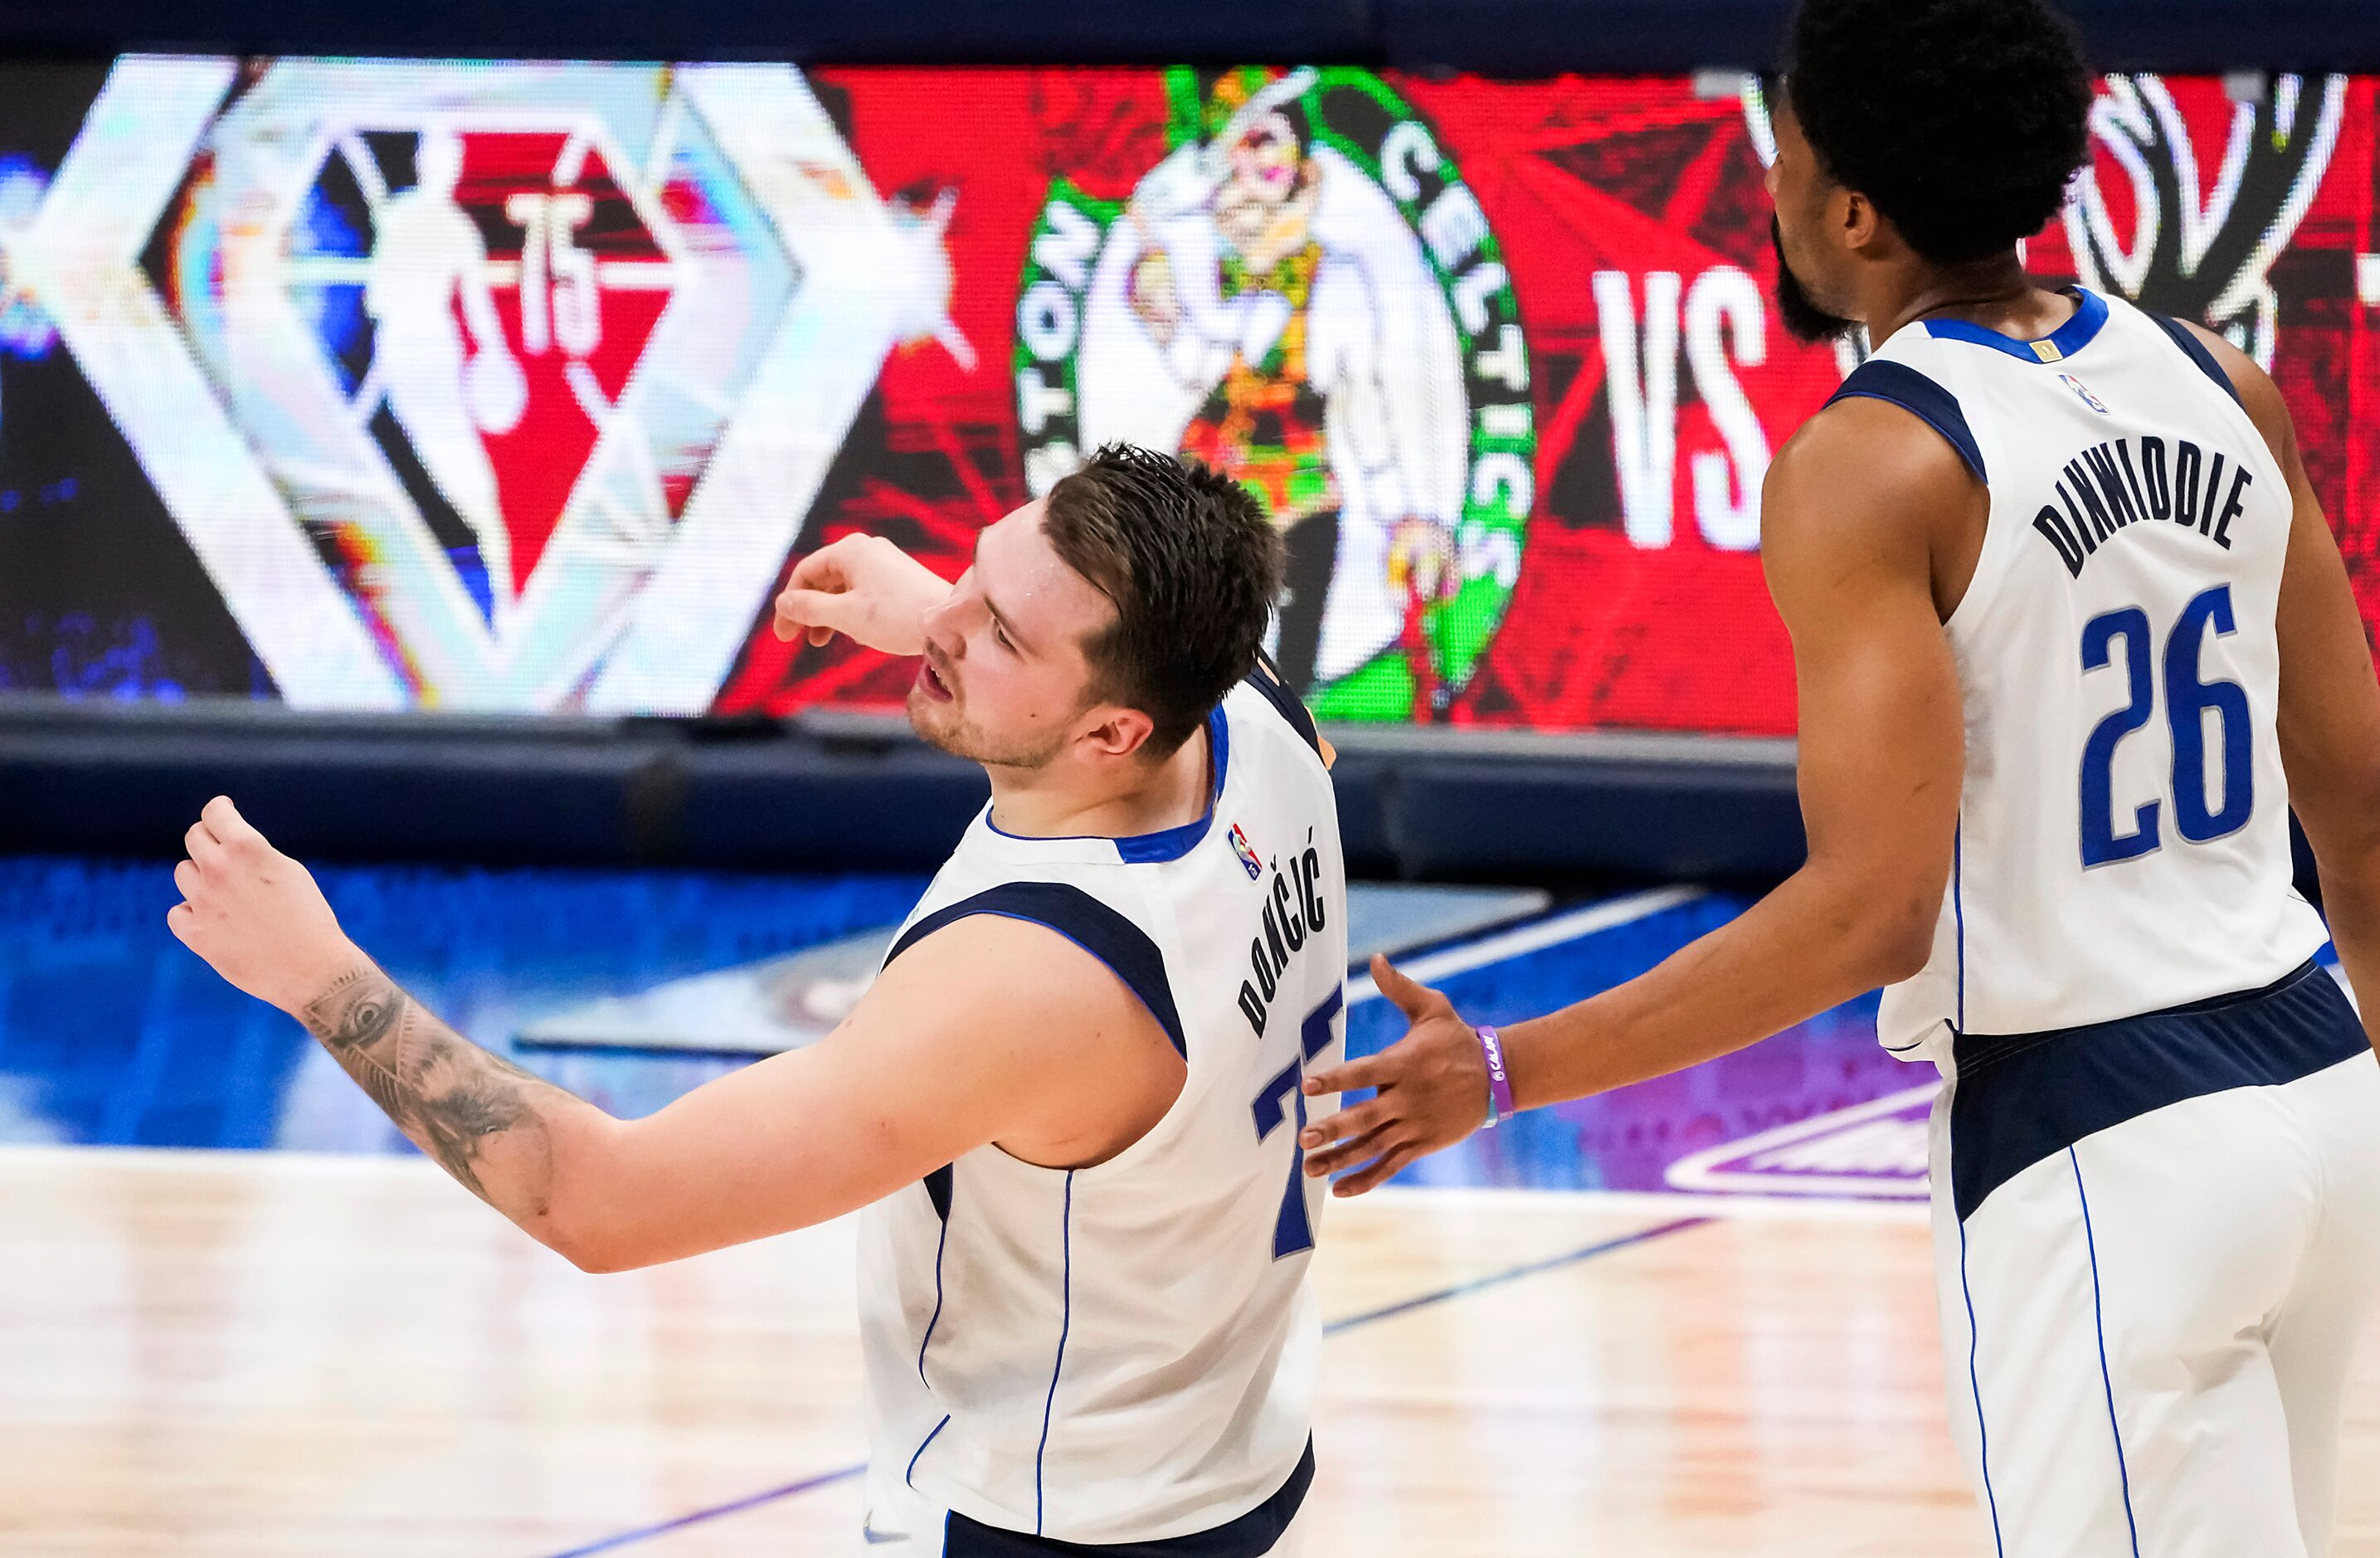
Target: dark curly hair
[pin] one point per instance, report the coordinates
(1193, 567)
(1963, 120)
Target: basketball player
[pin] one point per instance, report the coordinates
(1069, 1104)
(2071, 638)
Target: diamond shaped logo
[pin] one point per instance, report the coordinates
(512, 383)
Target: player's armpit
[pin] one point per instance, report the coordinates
(1860, 511)
(987, 1031)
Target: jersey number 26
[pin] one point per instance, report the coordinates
(2188, 700)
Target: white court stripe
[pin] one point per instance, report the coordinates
(1653, 1203)
(1534, 937)
(274, 1160)
(1646, 1203)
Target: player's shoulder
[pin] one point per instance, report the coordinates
(1869, 456)
(1269, 704)
(1028, 967)
(2257, 394)
(1042, 957)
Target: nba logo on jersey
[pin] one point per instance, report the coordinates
(1248, 861)
(2092, 401)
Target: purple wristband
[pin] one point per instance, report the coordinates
(1499, 1086)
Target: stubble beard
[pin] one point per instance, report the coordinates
(945, 727)
(1805, 319)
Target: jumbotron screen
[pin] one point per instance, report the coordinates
(382, 384)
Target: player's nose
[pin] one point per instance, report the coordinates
(948, 622)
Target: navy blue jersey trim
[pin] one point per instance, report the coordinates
(1066, 1326)
(1265, 679)
(1904, 386)
(2024, 1097)
(1172, 843)
(2196, 350)
(1251, 1536)
(2099, 1324)
(1959, 908)
(1975, 1384)
(1166, 844)
(938, 1190)
(2090, 314)
(910, 1476)
(1082, 919)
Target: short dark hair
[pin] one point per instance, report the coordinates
(1963, 120)
(1193, 567)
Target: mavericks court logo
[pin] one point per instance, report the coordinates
(1306, 295)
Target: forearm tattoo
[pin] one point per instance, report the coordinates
(455, 1100)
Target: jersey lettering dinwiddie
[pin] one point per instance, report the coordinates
(1126, 1353)
(2123, 839)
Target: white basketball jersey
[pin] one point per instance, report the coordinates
(2123, 841)
(1126, 1353)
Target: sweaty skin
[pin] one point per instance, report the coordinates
(989, 1030)
(1870, 529)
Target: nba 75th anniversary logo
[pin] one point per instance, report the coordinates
(493, 387)
(1305, 294)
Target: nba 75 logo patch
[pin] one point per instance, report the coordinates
(1248, 861)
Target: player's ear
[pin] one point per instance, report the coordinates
(1117, 732)
(1856, 217)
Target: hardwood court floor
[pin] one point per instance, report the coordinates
(252, 1355)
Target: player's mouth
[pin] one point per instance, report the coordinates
(932, 681)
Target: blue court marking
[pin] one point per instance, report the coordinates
(1346, 1322)
(736, 1506)
(1513, 1273)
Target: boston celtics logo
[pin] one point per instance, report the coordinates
(1305, 295)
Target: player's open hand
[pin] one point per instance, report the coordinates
(863, 586)
(1432, 1092)
(254, 913)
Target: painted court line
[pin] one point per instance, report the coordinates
(751, 1501)
(1346, 1322)
(1703, 1171)
(1711, 1206)
(1512, 1273)
(1535, 936)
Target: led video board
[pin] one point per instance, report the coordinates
(376, 384)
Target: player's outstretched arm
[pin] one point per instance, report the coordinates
(2329, 716)
(257, 917)
(1848, 513)
(990, 1029)
(865, 586)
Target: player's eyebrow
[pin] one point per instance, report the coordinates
(1007, 623)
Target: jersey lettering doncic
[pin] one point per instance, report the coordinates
(2123, 842)
(1126, 1353)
